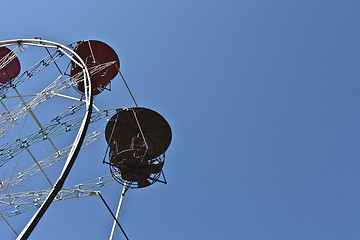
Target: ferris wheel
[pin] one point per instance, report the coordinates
(46, 94)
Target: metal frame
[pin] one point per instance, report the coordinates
(115, 172)
(82, 130)
(26, 201)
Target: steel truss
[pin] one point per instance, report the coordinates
(18, 203)
(11, 116)
(45, 62)
(12, 202)
(47, 162)
(54, 128)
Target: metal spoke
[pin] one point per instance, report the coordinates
(13, 204)
(50, 160)
(36, 120)
(3, 217)
(37, 163)
(55, 128)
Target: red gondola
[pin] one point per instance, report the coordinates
(95, 53)
(9, 70)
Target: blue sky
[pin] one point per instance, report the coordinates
(262, 97)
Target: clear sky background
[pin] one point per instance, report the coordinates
(262, 97)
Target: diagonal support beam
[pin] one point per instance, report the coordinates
(9, 224)
(37, 163)
(35, 118)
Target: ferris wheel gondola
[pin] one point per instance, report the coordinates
(138, 138)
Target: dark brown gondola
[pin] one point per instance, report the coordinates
(138, 138)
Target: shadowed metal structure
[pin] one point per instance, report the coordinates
(138, 138)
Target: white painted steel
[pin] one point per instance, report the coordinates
(118, 211)
(82, 130)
